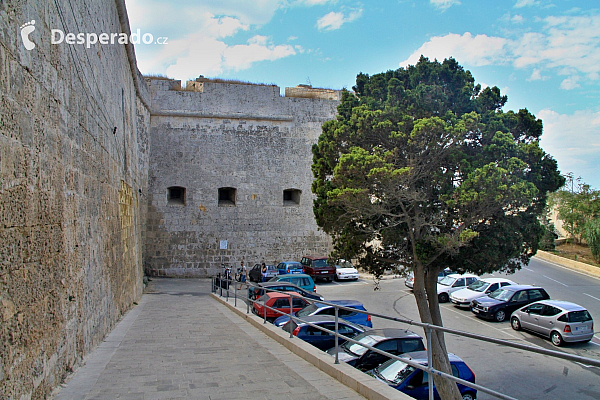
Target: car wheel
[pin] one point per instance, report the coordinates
(500, 315)
(468, 396)
(556, 339)
(515, 323)
(443, 297)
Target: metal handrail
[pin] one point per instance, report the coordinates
(428, 328)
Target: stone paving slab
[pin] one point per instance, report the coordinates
(179, 343)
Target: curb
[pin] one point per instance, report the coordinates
(356, 380)
(570, 264)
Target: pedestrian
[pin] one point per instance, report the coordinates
(243, 272)
(264, 272)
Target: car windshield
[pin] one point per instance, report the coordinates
(271, 267)
(294, 265)
(447, 281)
(308, 310)
(394, 371)
(579, 316)
(345, 264)
(501, 294)
(364, 338)
(478, 286)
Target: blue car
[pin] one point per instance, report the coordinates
(415, 383)
(324, 309)
(319, 338)
(290, 267)
(304, 281)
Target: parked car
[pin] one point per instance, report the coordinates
(280, 302)
(499, 304)
(415, 383)
(302, 280)
(325, 309)
(255, 274)
(409, 281)
(452, 283)
(477, 289)
(561, 321)
(259, 290)
(318, 267)
(393, 341)
(289, 267)
(319, 338)
(345, 270)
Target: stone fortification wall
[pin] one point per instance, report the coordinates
(249, 140)
(73, 186)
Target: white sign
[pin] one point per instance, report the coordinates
(223, 244)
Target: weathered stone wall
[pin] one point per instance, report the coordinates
(72, 191)
(227, 135)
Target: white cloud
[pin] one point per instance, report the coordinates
(468, 49)
(444, 4)
(201, 55)
(570, 83)
(335, 20)
(574, 141)
(566, 45)
(517, 19)
(526, 3)
(536, 75)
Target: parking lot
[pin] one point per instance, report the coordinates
(511, 371)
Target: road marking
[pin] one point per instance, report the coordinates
(528, 269)
(592, 296)
(555, 281)
(483, 323)
(566, 268)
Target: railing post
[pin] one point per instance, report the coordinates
(429, 362)
(235, 296)
(337, 348)
(265, 309)
(290, 321)
(248, 300)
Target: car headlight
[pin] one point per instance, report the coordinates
(485, 309)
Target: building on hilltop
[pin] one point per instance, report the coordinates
(230, 176)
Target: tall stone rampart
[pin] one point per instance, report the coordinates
(73, 186)
(230, 177)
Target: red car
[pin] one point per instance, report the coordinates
(280, 302)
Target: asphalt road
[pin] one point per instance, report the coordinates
(511, 371)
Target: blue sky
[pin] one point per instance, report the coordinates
(543, 54)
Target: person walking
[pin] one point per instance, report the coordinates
(243, 272)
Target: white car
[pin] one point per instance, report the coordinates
(345, 271)
(409, 281)
(477, 289)
(452, 283)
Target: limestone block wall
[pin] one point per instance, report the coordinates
(236, 136)
(73, 189)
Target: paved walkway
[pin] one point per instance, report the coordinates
(179, 343)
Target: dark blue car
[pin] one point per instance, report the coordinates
(415, 383)
(324, 309)
(319, 338)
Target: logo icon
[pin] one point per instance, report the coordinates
(26, 29)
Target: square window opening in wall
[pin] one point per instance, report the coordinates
(176, 195)
(291, 197)
(227, 197)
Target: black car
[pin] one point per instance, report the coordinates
(500, 304)
(393, 341)
(255, 292)
(255, 274)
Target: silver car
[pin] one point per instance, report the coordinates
(561, 321)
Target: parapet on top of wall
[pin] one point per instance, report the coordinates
(308, 92)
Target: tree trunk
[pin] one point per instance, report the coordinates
(425, 290)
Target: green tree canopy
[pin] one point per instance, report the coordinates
(423, 168)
